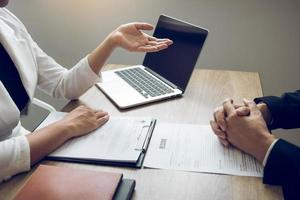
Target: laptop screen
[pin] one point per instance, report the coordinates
(177, 62)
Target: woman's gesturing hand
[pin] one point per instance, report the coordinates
(130, 37)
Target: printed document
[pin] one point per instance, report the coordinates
(195, 148)
(120, 139)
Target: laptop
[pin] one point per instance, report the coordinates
(164, 74)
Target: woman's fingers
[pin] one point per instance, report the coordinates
(143, 26)
(102, 120)
(100, 114)
(151, 38)
(155, 43)
(164, 40)
(101, 117)
(150, 48)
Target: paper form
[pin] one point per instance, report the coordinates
(195, 148)
(120, 139)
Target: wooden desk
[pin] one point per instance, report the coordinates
(206, 90)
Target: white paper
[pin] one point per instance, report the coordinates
(195, 148)
(120, 139)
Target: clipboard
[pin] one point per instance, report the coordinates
(143, 132)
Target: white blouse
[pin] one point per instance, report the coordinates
(36, 69)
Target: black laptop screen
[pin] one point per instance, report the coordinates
(177, 62)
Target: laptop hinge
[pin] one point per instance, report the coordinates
(162, 78)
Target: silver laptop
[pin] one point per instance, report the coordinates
(164, 74)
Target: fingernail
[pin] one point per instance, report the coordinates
(223, 128)
(246, 100)
(223, 142)
(226, 143)
(228, 99)
(223, 136)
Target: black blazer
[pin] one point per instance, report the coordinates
(283, 164)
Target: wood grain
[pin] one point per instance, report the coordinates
(206, 90)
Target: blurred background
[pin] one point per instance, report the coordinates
(260, 36)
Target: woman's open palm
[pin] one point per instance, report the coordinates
(130, 37)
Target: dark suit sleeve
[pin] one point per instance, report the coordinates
(285, 110)
(283, 168)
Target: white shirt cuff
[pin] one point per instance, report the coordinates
(80, 78)
(87, 71)
(268, 152)
(19, 161)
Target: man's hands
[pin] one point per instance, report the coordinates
(244, 127)
(130, 37)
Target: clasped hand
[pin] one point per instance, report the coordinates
(243, 126)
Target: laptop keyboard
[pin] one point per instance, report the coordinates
(144, 83)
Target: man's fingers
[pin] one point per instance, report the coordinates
(219, 116)
(217, 130)
(228, 106)
(224, 142)
(238, 105)
(243, 111)
(143, 26)
(252, 105)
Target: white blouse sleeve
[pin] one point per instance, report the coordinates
(60, 82)
(14, 157)
(54, 79)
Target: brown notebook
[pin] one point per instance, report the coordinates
(63, 183)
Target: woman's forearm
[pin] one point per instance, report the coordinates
(45, 140)
(98, 57)
(81, 121)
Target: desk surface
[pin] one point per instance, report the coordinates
(206, 90)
